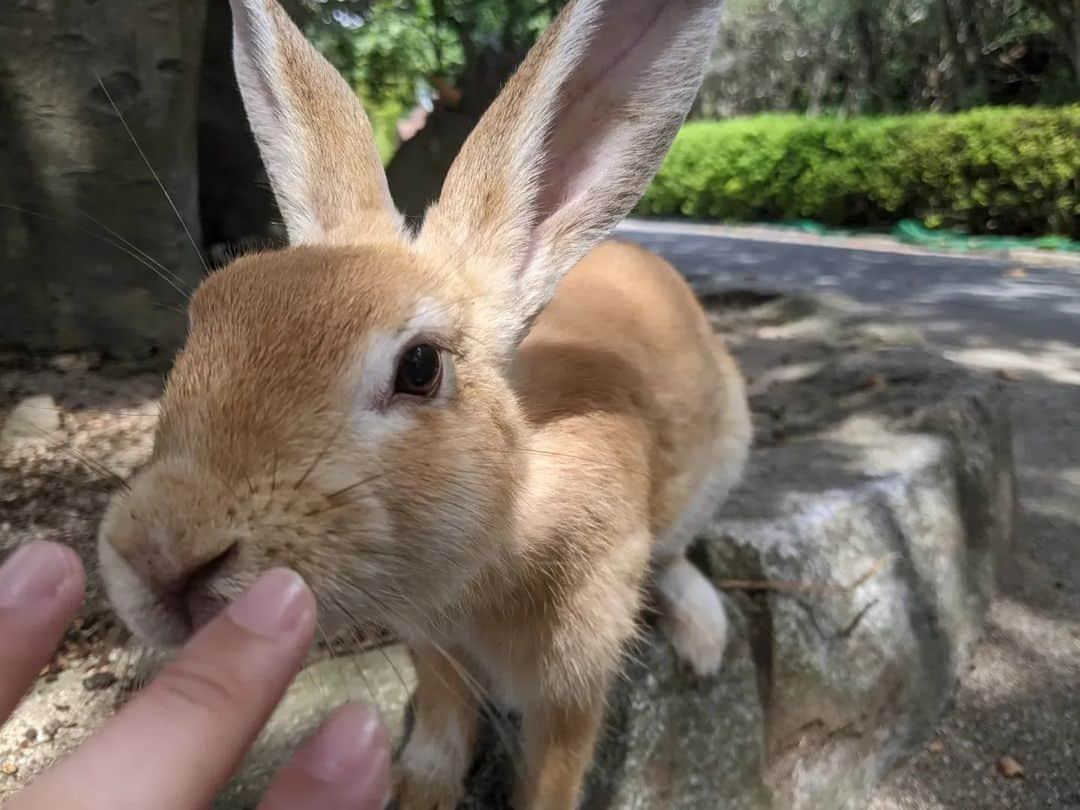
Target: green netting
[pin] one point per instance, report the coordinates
(916, 233)
(913, 232)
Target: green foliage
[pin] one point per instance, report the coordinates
(384, 118)
(387, 51)
(391, 51)
(993, 170)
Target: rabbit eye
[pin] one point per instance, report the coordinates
(419, 371)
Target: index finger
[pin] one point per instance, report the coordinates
(176, 744)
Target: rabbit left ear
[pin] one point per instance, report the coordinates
(570, 144)
(313, 134)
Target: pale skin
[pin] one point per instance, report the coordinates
(214, 698)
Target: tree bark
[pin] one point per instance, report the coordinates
(822, 75)
(971, 47)
(66, 158)
(867, 48)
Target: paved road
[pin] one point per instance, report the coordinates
(959, 300)
(1022, 696)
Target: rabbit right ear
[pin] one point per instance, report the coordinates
(313, 133)
(567, 148)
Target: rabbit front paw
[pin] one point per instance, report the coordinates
(414, 791)
(693, 617)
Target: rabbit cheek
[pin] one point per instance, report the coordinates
(450, 499)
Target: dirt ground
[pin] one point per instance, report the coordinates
(56, 488)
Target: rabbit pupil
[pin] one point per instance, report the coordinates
(419, 371)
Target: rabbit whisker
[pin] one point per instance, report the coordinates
(157, 179)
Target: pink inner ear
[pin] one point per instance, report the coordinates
(598, 99)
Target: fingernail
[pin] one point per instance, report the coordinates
(351, 748)
(273, 605)
(34, 573)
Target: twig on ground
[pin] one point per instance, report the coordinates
(804, 587)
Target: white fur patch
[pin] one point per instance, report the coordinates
(134, 602)
(376, 364)
(437, 756)
(694, 618)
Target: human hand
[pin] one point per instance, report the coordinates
(174, 746)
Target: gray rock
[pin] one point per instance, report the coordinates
(900, 468)
(704, 749)
(35, 420)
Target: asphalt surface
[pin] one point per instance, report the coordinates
(1021, 698)
(957, 299)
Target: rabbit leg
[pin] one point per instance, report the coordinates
(430, 773)
(692, 616)
(558, 747)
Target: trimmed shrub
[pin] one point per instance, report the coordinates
(996, 170)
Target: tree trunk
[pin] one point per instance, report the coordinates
(867, 89)
(1065, 17)
(977, 89)
(66, 158)
(822, 75)
(418, 168)
(949, 61)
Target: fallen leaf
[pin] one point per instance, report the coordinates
(99, 680)
(877, 382)
(936, 747)
(1010, 768)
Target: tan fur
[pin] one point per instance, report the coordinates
(506, 527)
(628, 334)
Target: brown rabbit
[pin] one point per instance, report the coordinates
(483, 435)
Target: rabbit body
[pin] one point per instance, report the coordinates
(637, 427)
(493, 435)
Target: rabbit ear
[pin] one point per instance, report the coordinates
(570, 144)
(313, 134)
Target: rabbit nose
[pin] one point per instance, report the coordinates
(183, 579)
(194, 590)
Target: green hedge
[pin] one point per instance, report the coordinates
(995, 170)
